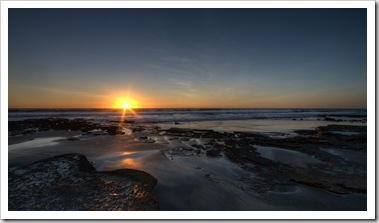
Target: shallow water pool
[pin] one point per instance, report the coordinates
(287, 156)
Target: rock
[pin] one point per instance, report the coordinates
(73, 138)
(334, 174)
(198, 146)
(70, 183)
(338, 185)
(150, 141)
(213, 152)
(182, 151)
(304, 132)
(138, 129)
(29, 126)
(28, 131)
(145, 139)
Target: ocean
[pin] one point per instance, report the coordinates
(190, 115)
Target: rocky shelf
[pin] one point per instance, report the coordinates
(70, 183)
(330, 172)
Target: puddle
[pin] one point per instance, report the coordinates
(122, 160)
(37, 142)
(122, 155)
(286, 156)
(346, 133)
(347, 154)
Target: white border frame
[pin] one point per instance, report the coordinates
(371, 193)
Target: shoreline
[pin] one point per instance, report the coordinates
(251, 170)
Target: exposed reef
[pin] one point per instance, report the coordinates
(328, 171)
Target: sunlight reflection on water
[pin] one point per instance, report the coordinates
(133, 160)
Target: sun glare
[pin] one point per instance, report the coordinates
(126, 106)
(124, 103)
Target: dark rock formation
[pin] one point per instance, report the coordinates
(30, 126)
(70, 183)
(335, 174)
(332, 173)
(213, 152)
(198, 133)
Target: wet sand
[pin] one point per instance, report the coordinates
(188, 179)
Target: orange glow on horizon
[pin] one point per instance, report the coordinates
(125, 103)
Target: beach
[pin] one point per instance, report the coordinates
(245, 109)
(215, 165)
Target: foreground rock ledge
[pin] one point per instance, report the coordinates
(70, 183)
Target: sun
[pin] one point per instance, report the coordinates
(125, 105)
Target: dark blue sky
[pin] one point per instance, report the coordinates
(187, 57)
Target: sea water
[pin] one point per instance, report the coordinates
(190, 115)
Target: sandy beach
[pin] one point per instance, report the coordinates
(225, 167)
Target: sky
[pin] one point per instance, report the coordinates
(186, 58)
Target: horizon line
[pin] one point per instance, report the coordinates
(191, 108)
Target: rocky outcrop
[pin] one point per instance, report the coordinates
(70, 183)
(30, 126)
(332, 172)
